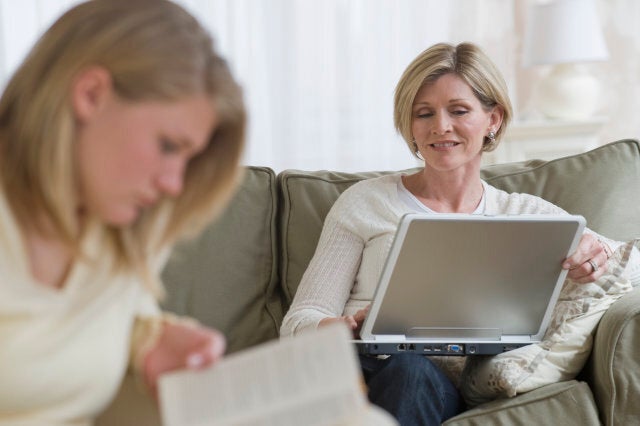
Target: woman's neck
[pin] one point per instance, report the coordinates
(49, 257)
(446, 192)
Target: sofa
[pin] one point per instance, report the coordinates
(241, 274)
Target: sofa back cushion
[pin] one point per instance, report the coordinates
(227, 278)
(305, 200)
(602, 185)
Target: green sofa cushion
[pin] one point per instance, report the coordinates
(547, 405)
(234, 287)
(602, 185)
(306, 198)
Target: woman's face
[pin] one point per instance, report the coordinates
(130, 155)
(449, 123)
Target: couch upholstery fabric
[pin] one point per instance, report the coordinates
(227, 277)
(603, 185)
(241, 274)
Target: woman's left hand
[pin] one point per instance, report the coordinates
(182, 345)
(588, 262)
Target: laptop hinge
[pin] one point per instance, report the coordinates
(389, 337)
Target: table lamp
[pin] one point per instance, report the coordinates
(565, 34)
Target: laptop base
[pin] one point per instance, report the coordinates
(458, 349)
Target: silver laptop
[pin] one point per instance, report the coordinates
(457, 284)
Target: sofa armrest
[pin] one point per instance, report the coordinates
(615, 362)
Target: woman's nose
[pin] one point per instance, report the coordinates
(171, 180)
(442, 124)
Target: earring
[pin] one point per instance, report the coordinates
(491, 136)
(416, 151)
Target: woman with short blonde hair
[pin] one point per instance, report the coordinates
(466, 61)
(451, 106)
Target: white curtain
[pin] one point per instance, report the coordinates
(21, 23)
(318, 76)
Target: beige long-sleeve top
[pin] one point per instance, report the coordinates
(356, 238)
(63, 352)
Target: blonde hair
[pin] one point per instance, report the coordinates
(154, 50)
(468, 62)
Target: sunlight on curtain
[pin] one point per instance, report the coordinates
(21, 23)
(318, 76)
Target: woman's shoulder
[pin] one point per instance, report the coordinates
(503, 202)
(371, 188)
(368, 200)
(377, 182)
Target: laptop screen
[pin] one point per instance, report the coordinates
(470, 277)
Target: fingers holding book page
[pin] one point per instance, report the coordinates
(310, 379)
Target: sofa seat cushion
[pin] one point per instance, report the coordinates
(227, 278)
(566, 403)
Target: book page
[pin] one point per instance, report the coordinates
(311, 379)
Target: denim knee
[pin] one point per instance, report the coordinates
(415, 371)
(414, 390)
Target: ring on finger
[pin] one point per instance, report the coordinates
(593, 264)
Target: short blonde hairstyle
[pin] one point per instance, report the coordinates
(467, 61)
(154, 50)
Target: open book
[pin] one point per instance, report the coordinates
(311, 379)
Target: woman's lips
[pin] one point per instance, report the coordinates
(444, 144)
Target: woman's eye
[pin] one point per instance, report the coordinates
(168, 147)
(425, 115)
(460, 112)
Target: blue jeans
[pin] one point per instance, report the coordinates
(412, 388)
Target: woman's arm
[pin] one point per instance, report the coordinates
(326, 284)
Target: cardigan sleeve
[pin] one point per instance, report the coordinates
(326, 284)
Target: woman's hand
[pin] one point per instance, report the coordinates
(182, 345)
(354, 322)
(589, 261)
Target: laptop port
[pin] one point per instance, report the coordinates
(402, 347)
(428, 348)
(437, 348)
(412, 347)
(472, 349)
(455, 348)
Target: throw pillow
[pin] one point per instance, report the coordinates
(565, 347)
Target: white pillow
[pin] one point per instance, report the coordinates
(565, 347)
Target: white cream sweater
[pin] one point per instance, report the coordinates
(356, 238)
(63, 352)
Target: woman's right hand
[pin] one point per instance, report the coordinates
(354, 322)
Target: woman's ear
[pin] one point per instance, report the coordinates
(495, 120)
(89, 91)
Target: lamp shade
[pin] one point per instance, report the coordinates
(563, 31)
